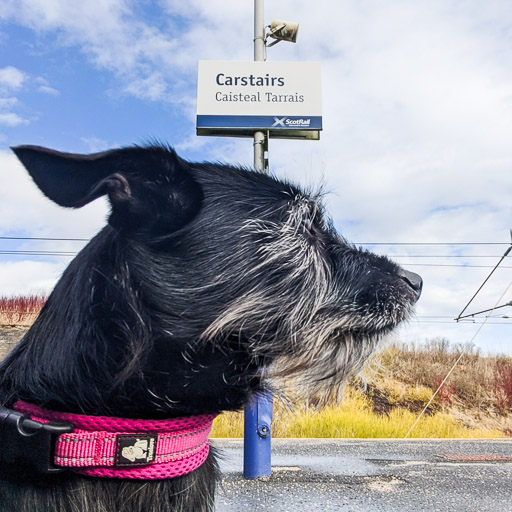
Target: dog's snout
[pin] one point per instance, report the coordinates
(413, 280)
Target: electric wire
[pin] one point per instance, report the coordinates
(446, 265)
(431, 243)
(485, 311)
(356, 243)
(444, 256)
(472, 322)
(505, 254)
(41, 253)
(44, 238)
(15, 251)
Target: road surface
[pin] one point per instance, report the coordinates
(371, 475)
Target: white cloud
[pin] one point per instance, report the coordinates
(153, 87)
(11, 78)
(29, 277)
(94, 144)
(46, 89)
(44, 86)
(9, 102)
(12, 119)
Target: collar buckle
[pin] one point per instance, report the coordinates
(29, 443)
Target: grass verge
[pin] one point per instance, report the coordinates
(353, 418)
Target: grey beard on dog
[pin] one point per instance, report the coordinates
(210, 283)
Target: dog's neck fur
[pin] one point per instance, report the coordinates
(103, 335)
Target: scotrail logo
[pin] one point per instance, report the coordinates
(286, 122)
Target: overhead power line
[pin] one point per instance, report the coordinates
(446, 265)
(446, 317)
(431, 243)
(505, 254)
(357, 243)
(443, 256)
(39, 253)
(15, 251)
(485, 311)
(472, 322)
(71, 253)
(44, 238)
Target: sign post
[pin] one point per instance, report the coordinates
(260, 100)
(260, 141)
(258, 413)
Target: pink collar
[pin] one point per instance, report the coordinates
(127, 448)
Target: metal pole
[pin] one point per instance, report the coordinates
(259, 30)
(258, 414)
(259, 152)
(259, 55)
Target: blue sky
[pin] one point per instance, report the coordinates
(81, 107)
(416, 147)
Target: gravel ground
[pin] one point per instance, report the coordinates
(371, 475)
(9, 336)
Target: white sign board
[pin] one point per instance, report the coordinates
(239, 98)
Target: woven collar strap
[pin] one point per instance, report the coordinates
(127, 448)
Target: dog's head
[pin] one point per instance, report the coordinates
(211, 276)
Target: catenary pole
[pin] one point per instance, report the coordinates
(258, 414)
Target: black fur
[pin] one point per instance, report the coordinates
(206, 278)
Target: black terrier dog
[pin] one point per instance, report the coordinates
(210, 283)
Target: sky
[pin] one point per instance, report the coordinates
(416, 151)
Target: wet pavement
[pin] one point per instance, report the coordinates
(372, 475)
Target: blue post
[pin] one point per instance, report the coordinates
(257, 421)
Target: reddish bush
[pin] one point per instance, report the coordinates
(447, 392)
(503, 383)
(20, 310)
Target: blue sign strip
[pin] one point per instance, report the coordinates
(261, 122)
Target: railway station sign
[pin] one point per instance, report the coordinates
(239, 98)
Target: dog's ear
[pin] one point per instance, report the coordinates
(147, 186)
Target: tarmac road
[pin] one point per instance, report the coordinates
(371, 475)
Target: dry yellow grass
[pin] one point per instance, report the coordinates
(353, 418)
(478, 381)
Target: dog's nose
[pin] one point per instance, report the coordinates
(413, 280)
